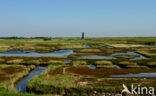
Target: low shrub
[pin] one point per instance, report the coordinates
(127, 63)
(126, 56)
(36, 62)
(79, 63)
(151, 64)
(56, 62)
(2, 60)
(15, 61)
(107, 66)
(89, 51)
(132, 66)
(103, 62)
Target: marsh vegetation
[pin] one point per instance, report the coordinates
(100, 67)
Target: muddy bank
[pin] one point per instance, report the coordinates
(22, 85)
(20, 79)
(142, 54)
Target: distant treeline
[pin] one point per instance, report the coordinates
(14, 37)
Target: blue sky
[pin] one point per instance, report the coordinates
(68, 18)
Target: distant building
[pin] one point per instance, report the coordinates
(82, 35)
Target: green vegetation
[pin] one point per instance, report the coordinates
(28, 60)
(15, 61)
(4, 49)
(82, 81)
(126, 56)
(89, 51)
(126, 45)
(10, 74)
(133, 66)
(106, 66)
(76, 78)
(148, 53)
(103, 62)
(70, 46)
(54, 78)
(151, 64)
(56, 62)
(127, 63)
(4, 92)
(33, 62)
(79, 63)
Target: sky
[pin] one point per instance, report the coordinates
(69, 18)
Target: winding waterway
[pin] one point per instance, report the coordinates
(21, 86)
(34, 54)
(152, 75)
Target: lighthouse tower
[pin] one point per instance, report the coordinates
(82, 35)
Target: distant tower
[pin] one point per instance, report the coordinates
(82, 35)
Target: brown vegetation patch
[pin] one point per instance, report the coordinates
(45, 58)
(10, 70)
(56, 71)
(106, 71)
(45, 50)
(82, 71)
(125, 71)
(4, 77)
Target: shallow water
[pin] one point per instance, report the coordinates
(136, 75)
(130, 53)
(18, 51)
(107, 46)
(34, 54)
(23, 84)
(96, 57)
(92, 66)
(86, 46)
(111, 56)
(67, 61)
(137, 58)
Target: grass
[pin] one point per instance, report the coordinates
(60, 80)
(33, 62)
(28, 60)
(78, 63)
(56, 62)
(4, 92)
(10, 74)
(106, 66)
(147, 53)
(78, 81)
(15, 61)
(151, 64)
(127, 63)
(133, 66)
(56, 41)
(102, 72)
(103, 62)
(88, 51)
(44, 50)
(126, 45)
(2, 60)
(76, 78)
(126, 56)
(54, 57)
(3, 49)
(51, 79)
(70, 46)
